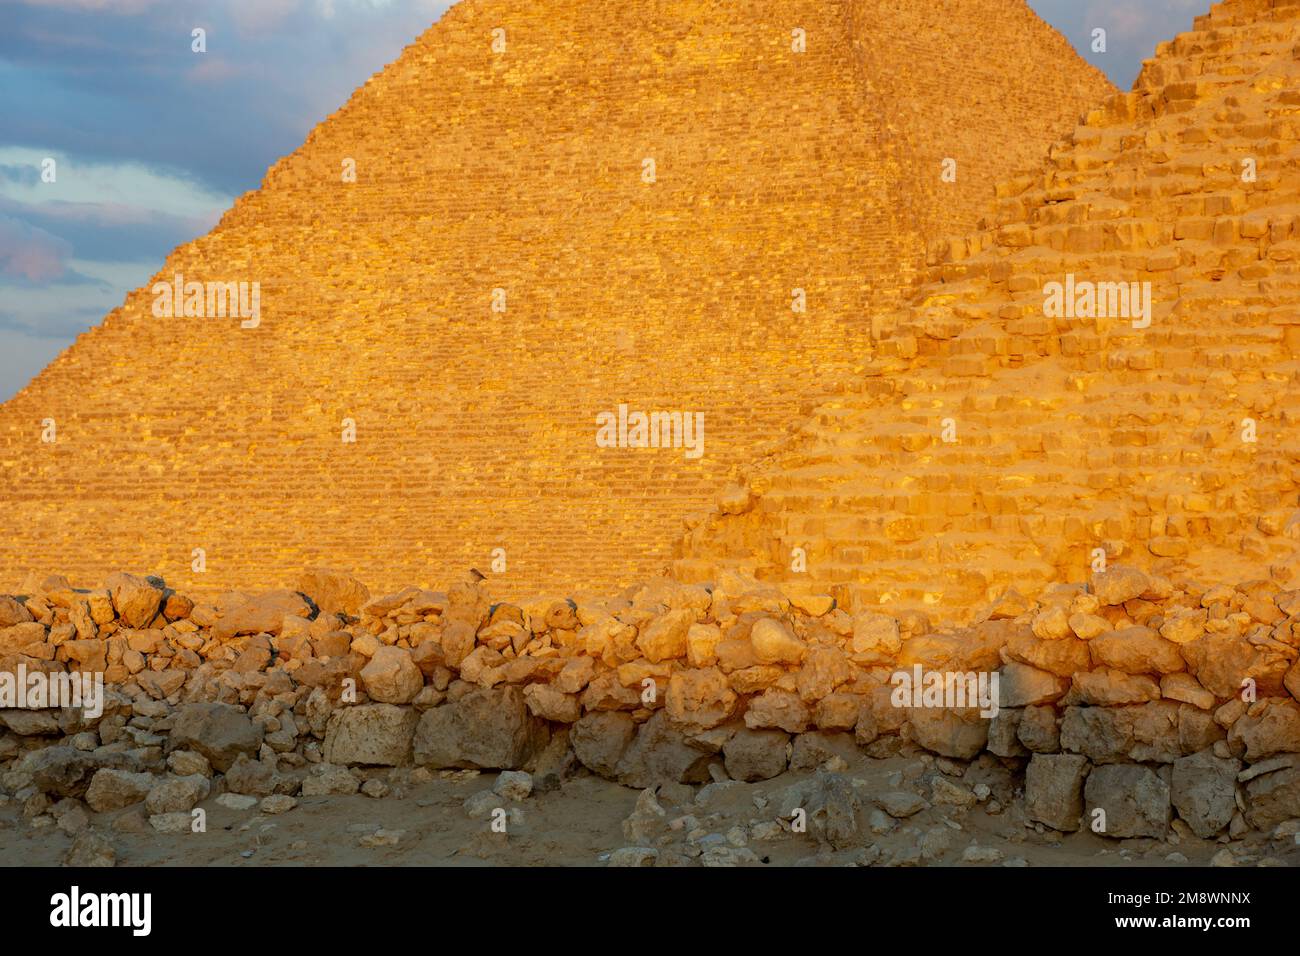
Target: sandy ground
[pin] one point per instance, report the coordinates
(581, 823)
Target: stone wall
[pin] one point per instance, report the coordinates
(1146, 698)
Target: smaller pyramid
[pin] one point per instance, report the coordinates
(998, 439)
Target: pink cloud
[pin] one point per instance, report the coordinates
(31, 253)
(126, 7)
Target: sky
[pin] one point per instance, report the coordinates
(152, 142)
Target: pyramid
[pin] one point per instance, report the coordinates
(1000, 438)
(504, 269)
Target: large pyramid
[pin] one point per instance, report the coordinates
(997, 439)
(501, 161)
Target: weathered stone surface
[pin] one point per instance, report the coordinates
(1222, 664)
(218, 731)
(548, 703)
(1119, 584)
(490, 729)
(372, 734)
(1102, 734)
(1054, 790)
(1136, 801)
(264, 614)
(1040, 730)
(333, 592)
(959, 734)
(1111, 688)
(813, 749)
(777, 709)
(60, 771)
(12, 612)
(1020, 685)
(176, 794)
(659, 754)
(1204, 792)
(391, 676)
(1274, 798)
(773, 643)
(1270, 727)
(600, 738)
(700, 698)
(1136, 650)
(136, 599)
(756, 754)
(114, 789)
(664, 638)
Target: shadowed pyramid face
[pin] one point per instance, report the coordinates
(1104, 371)
(538, 215)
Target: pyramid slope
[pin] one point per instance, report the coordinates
(1076, 434)
(521, 171)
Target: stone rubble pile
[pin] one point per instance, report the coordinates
(1142, 697)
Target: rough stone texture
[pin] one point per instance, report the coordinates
(600, 738)
(843, 210)
(372, 734)
(218, 731)
(1052, 409)
(756, 754)
(487, 729)
(960, 734)
(333, 592)
(114, 789)
(1136, 801)
(660, 753)
(391, 676)
(1204, 792)
(1054, 790)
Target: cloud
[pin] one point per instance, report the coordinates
(27, 252)
(119, 7)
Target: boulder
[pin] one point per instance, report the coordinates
(752, 755)
(961, 734)
(664, 638)
(551, 704)
(391, 676)
(1204, 792)
(1119, 584)
(1054, 790)
(700, 698)
(1136, 801)
(136, 599)
(490, 729)
(334, 592)
(115, 789)
(1270, 727)
(13, 612)
(263, 614)
(176, 794)
(1273, 798)
(1020, 685)
(660, 753)
(1136, 650)
(377, 735)
(600, 738)
(220, 732)
(773, 643)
